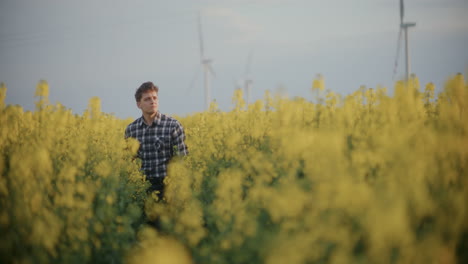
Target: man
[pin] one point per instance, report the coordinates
(161, 137)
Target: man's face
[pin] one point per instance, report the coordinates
(149, 102)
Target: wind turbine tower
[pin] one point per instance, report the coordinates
(248, 80)
(404, 26)
(206, 63)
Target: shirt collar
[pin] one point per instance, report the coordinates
(157, 120)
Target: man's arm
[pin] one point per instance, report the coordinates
(127, 132)
(178, 137)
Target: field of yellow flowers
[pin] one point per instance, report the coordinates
(69, 190)
(365, 178)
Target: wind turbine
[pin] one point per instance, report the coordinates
(404, 26)
(247, 79)
(206, 63)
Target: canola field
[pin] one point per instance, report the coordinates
(363, 178)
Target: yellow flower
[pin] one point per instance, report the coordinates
(42, 89)
(318, 83)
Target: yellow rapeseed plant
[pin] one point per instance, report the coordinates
(363, 178)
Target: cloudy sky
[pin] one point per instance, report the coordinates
(107, 48)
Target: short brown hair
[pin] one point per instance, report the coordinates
(145, 87)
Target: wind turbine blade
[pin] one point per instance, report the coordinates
(397, 56)
(194, 80)
(402, 11)
(247, 64)
(210, 69)
(200, 38)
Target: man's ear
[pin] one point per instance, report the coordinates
(138, 104)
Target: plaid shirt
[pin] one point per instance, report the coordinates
(158, 143)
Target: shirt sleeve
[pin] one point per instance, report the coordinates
(127, 132)
(178, 137)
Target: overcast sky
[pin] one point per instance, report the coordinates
(108, 48)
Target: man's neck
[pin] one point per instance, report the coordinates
(149, 118)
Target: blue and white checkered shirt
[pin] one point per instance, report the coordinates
(158, 143)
